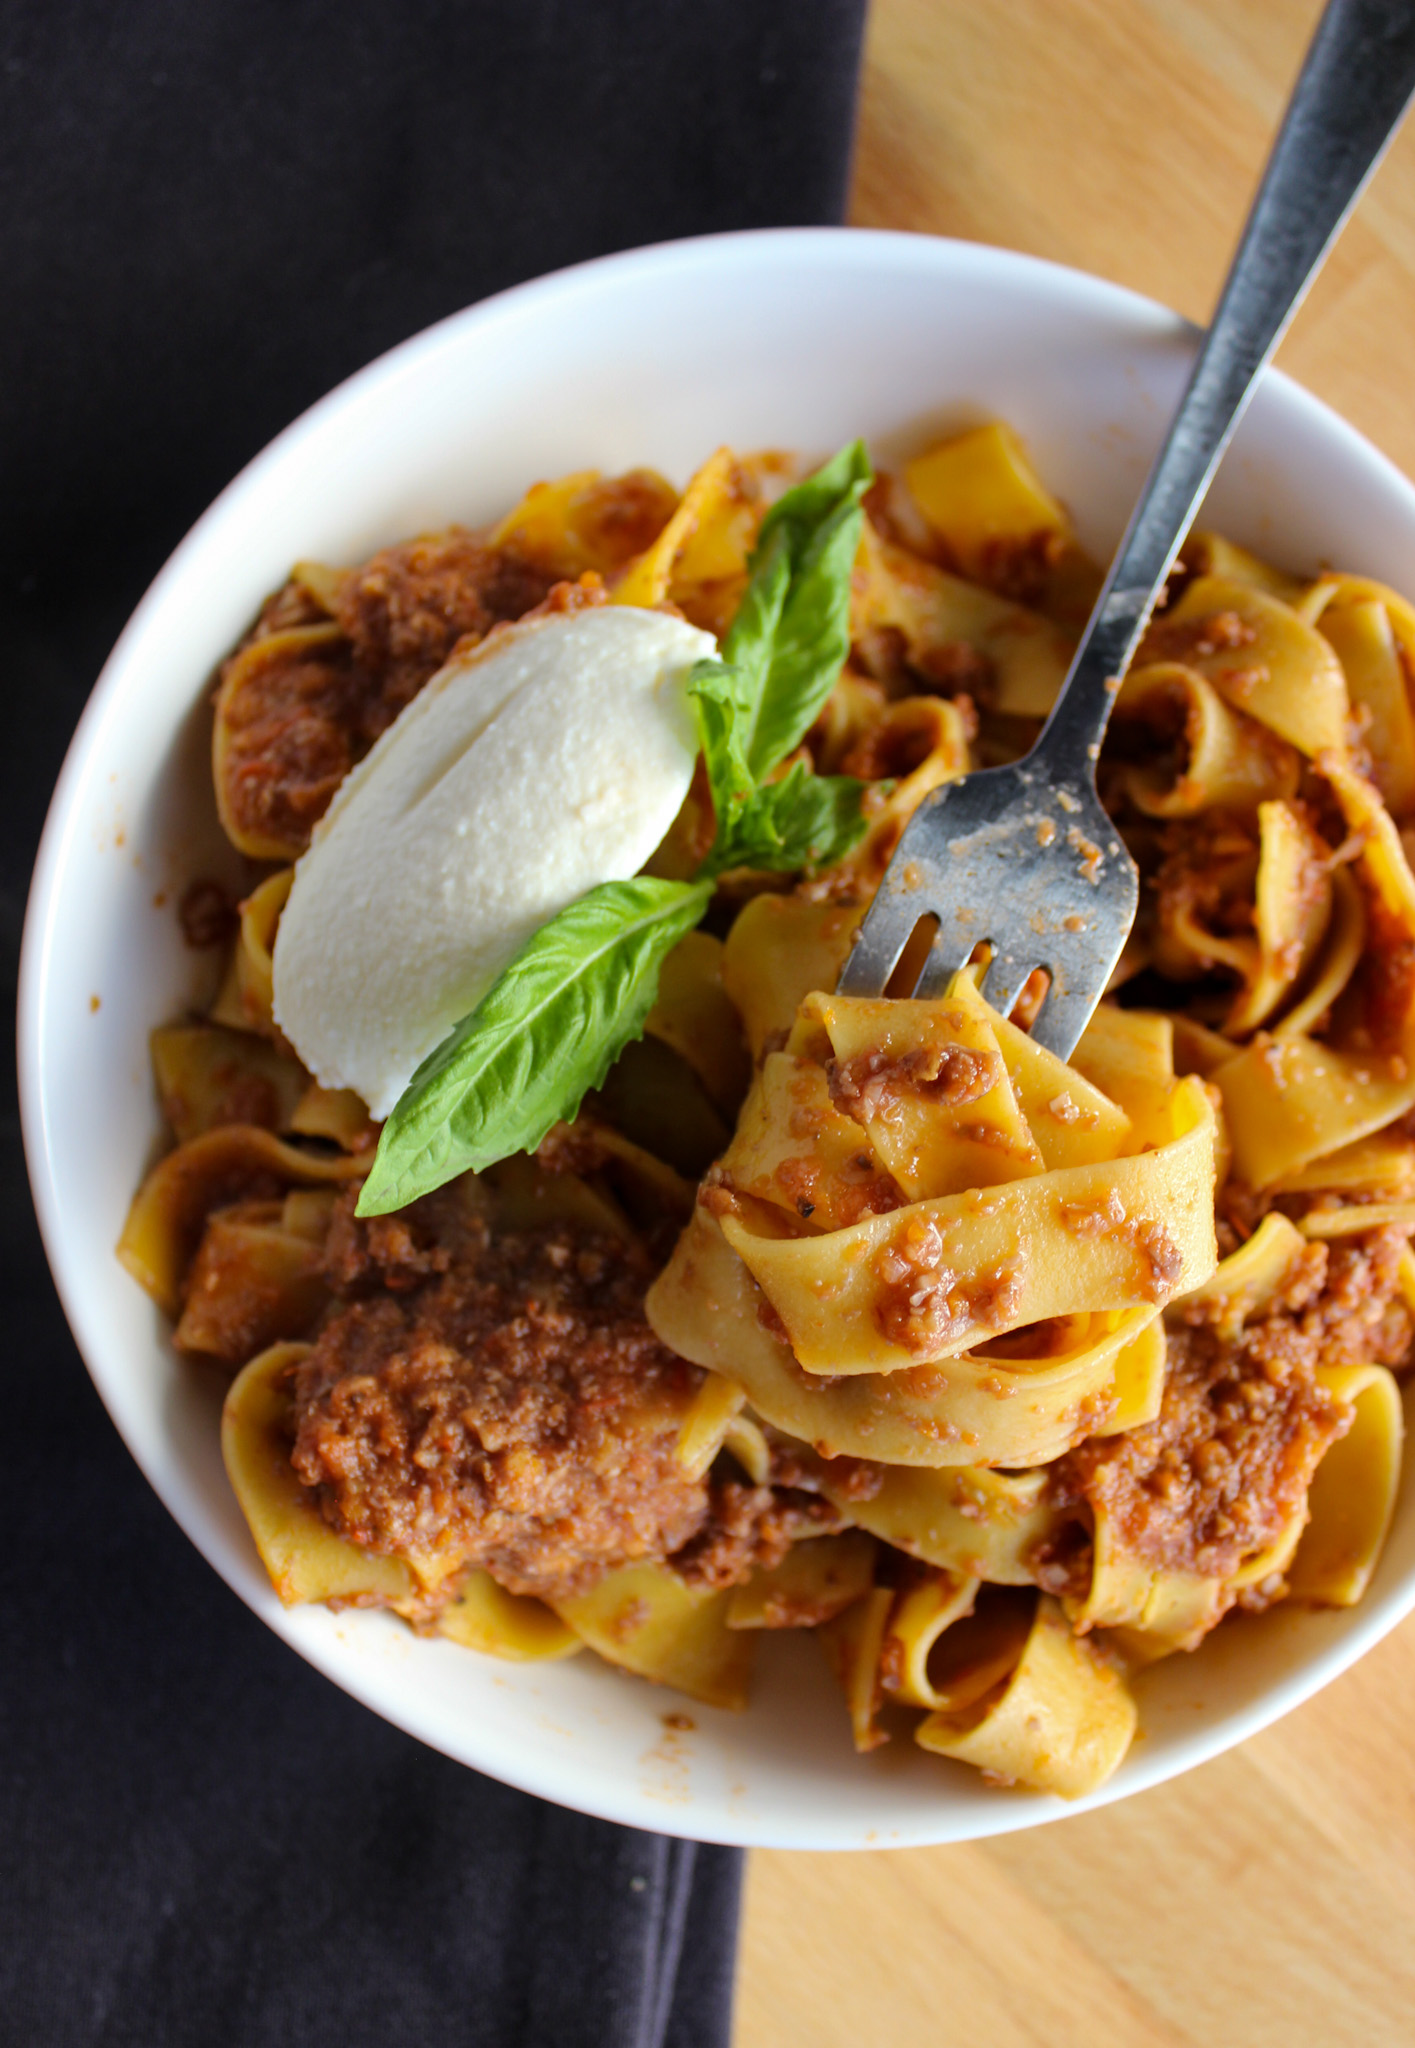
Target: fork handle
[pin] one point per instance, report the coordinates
(1355, 85)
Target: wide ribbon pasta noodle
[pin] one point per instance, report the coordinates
(1262, 657)
(1024, 656)
(643, 1617)
(1372, 630)
(1187, 750)
(170, 1210)
(1292, 1098)
(815, 1581)
(1061, 1720)
(1019, 1410)
(968, 1520)
(918, 1289)
(999, 523)
(1352, 1497)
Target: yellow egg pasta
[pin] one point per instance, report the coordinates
(1353, 1494)
(815, 1581)
(1061, 1720)
(643, 1617)
(1008, 1376)
(1210, 757)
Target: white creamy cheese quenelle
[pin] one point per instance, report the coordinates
(551, 758)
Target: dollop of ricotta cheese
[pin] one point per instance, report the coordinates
(552, 757)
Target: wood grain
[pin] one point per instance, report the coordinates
(1267, 1900)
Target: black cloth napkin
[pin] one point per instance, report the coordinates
(212, 210)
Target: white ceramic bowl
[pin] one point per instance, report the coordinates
(798, 339)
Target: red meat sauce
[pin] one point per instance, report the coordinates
(309, 707)
(943, 1076)
(948, 668)
(1388, 977)
(499, 1397)
(1207, 872)
(208, 915)
(925, 1303)
(1244, 1422)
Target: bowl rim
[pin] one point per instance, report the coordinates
(533, 298)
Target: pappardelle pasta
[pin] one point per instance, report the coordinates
(1006, 1377)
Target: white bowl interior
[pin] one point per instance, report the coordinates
(798, 339)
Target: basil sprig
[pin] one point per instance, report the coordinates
(791, 634)
(558, 1016)
(550, 1027)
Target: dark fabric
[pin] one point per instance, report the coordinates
(211, 212)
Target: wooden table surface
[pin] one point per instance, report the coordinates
(1268, 1898)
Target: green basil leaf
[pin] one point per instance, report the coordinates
(747, 644)
(548, 1029)
(803, 821)
(791, 634)
(719, 695)
(818, 817)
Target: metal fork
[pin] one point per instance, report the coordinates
(1023, 857)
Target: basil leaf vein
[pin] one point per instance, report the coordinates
(721, 701)
(791, 634)
(802, 821)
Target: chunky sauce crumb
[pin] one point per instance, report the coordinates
(1221, 1471)
(751, 1526)
(308, 710)
(497, 1397)
(949, 1076)
(924, 1303)
(207, 915)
